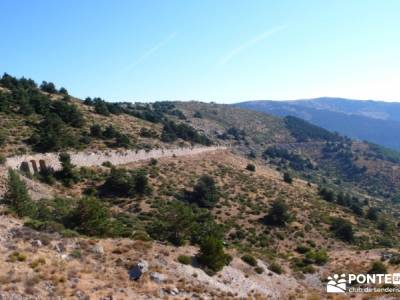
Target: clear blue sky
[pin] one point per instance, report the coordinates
(223, 51)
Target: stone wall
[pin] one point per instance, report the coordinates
(35, 162)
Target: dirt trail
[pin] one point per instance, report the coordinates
(116, 157)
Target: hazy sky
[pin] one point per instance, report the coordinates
(223, 51)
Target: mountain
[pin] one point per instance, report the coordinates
(374, 121)
(183, 200)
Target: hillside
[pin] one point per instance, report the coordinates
(296, 146)
(374, 121)
(208, 201)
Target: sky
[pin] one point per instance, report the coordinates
(210, 50)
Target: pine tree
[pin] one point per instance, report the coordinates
(17, 196)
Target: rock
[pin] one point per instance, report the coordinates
(37, 243)
(60, 247)
(174, 291)
(98, 249)
(143, 265)
(158, 277)
(138, 270)
(81, 295)
(135, 273)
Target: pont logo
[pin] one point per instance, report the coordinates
(336, 284)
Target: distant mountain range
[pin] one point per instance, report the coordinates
(373, 121)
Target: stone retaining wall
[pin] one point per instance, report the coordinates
(35, 162)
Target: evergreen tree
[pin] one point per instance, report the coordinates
(68, 174)
(278, 214)
(17, 196)
(205, 192)
(212, 254)
(91, 217)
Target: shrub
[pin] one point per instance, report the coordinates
(372, 214)
(100, 107)
(377, 267)
(276, 268)
(319, 257)
(302, 249)
(48, 87)
(197, 114)
(342, 229)
(278, 214)
(96, 131)
(326, 194)
(287, 178)
(2, 159)
(107, 164)
(184, 259)
(212, 255)
(259, 270)
(68, 174)
(172, 131)
(17, 197)
(178, 222)
(69, 113)
(17, 256)
(205, 192)
(90, 217)
(53, 135)
(63, 91)
(251, 167)
(122, 183)
(250, 260)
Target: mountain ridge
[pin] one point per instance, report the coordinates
(374, 121)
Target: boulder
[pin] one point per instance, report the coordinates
(98, 249)
(158, 277)
(138, 270)
(143, 265)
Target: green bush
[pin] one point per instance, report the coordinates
(259, 270)
(278, 214)
(342, 229)
(17, 197)
(123, 183)
(68, 174)
(377, 267)
(250, 260)
(212, 255)
(319, 257)
(184, 259)
(251, 168)
(178, 222)
(372, 214)
(276, 268)
(205, 192)
(91, 217)
(287, 178)
(302, 249)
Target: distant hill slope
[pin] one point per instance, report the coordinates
(297, 146)
(373, 121)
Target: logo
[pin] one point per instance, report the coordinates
(336, 284)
